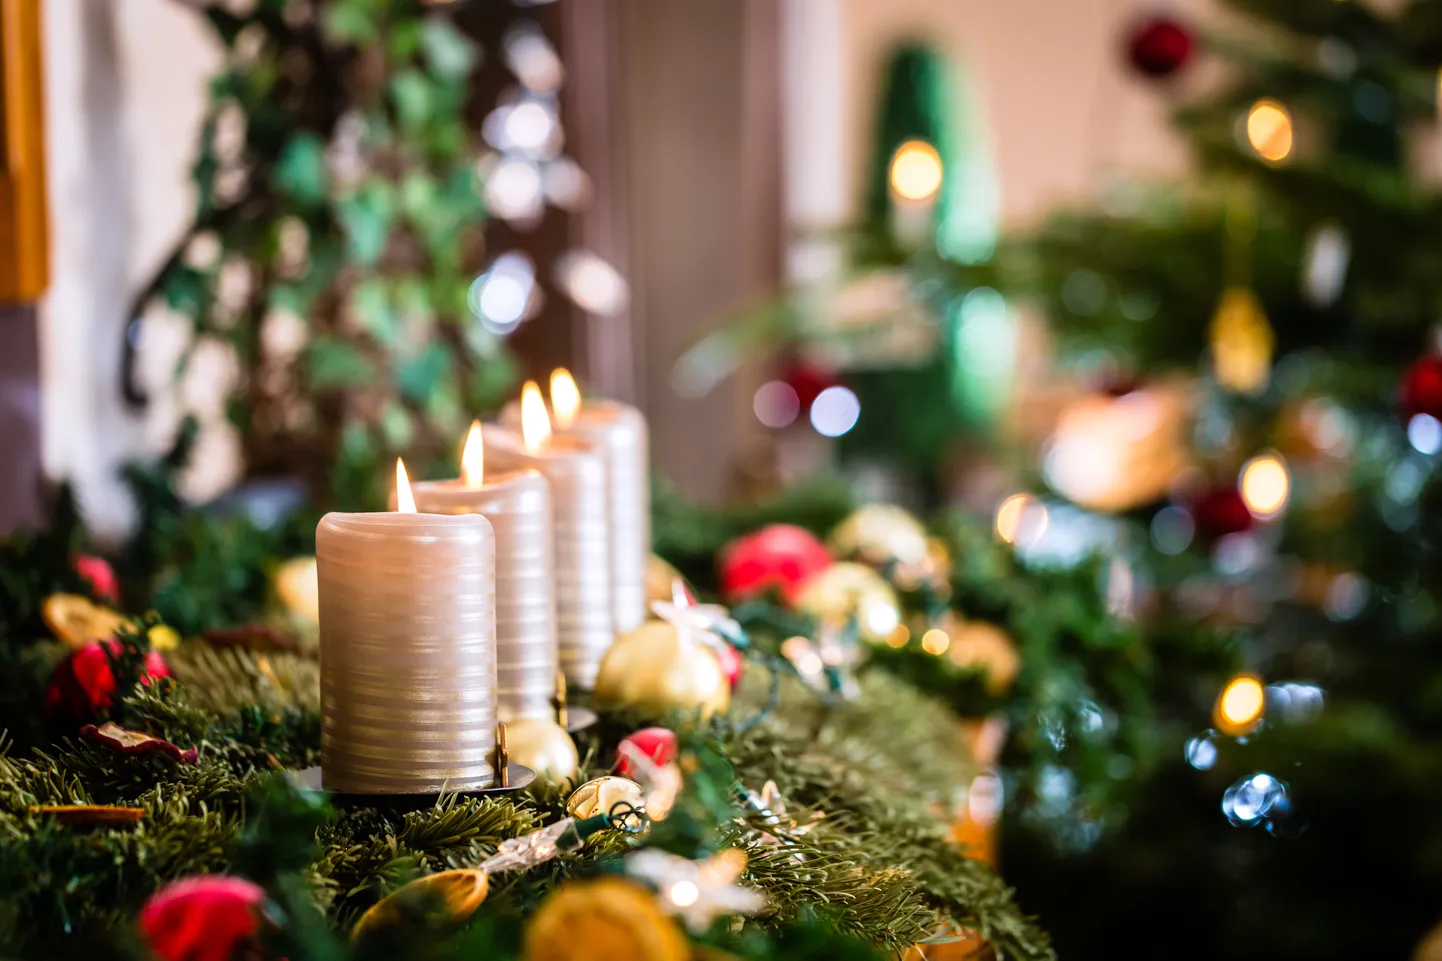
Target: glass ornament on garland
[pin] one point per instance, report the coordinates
(1159, 45)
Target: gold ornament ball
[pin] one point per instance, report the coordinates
(297, 587)
(844, 591)
(459, 893)
(653, 668)
(599, 795)
(660, 578)
(542, 745)
(603, 920)
(984, 647)
(880, 534)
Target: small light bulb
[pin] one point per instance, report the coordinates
(1269, 130)
(1265, 485)
(916, 171)
(1240, 705)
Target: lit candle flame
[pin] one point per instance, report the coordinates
(535, 422)
(565, 398)
(405, 500)
(473, 458)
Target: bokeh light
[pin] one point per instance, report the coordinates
(776, 404)
(1253, 798)
(1265, 485)
(1240, 706)
(835, 411)
(1172, 530)
(1201, 752)
(533, 59)
(1021, 519)
(935, 641)
(1269, 130)
(592, 283)
(899, 637)
(514, 190)
(916, 171)
(504, 295)
(1424, 433)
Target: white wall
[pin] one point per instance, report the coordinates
(125, 89)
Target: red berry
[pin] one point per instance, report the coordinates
(778, 557)
(1422, 388)
(206, 918)
(656, 743)
(1159, 46)
(81, 686)
(97, 572)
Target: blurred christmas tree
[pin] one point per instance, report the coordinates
(1280, 308)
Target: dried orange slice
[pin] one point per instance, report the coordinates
(460, 891)
(77, 621)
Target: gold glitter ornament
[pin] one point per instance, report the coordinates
(656, 667)
(847, 590)
(543, 746)
(661, 580)
(602, 920)
(458, 892)
(297, 587)
(600, 795)
(880, 534)
(981, 646)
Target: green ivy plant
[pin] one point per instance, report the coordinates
(338, 227)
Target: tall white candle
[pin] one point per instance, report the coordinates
(619, 433)
(518, 505)
(577, 475)
(408, 650)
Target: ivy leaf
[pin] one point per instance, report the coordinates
(449, 54)
(185, 291)
(351, 21)
(418, 374)
(334, 363)
(414, 98)
(371, 303)
(367, 216)
(300, 170)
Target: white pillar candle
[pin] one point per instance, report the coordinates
(619, 433)
(576, 471)
(408, 651)
(518, 505)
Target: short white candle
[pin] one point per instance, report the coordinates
(518, 505)
(408, 650)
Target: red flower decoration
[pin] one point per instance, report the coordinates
(82, 686)
(97, 572)
(1220, 511)
(207, 918)
(123, 741)
(656, 743)
(1422, 388)
(1159, 46)
(778, 557)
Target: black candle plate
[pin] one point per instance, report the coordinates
(520, 778)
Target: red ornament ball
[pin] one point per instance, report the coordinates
(656, 743)
(1422, 388)
(808, 379)
(97, 572)
(206, 918)
(1158, 46)
(1219, 511)
(82, 685)
(778, 557)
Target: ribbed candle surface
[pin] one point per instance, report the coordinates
(577, 475)
(408, 652)
(518, 505)
(619, 432)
